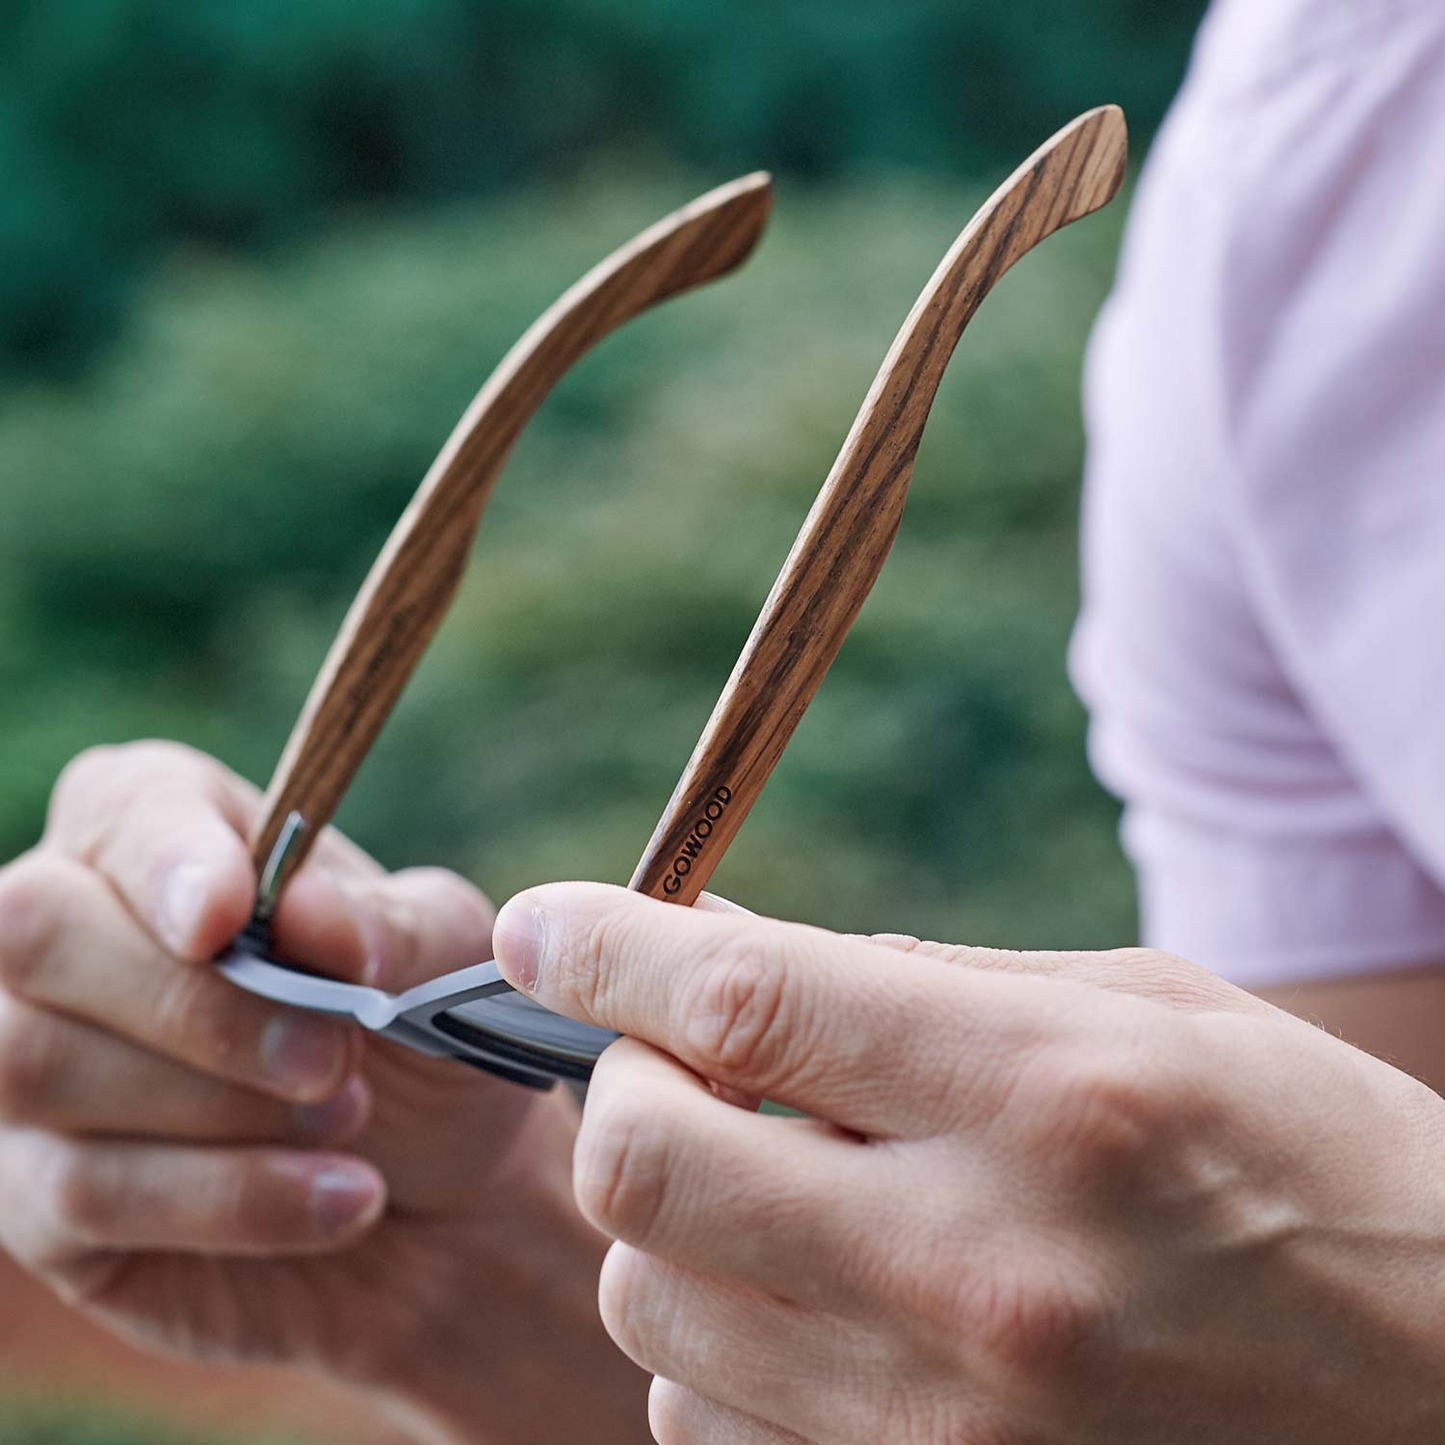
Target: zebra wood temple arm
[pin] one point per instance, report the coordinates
(847, 535)
(412, 582)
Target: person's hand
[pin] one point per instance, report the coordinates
(223, 1177)
(1061, 1199)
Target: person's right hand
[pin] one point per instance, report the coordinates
(221, 1176)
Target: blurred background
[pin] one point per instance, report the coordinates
(255, 260)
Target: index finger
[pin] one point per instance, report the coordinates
(165, 826)
(831, 1025)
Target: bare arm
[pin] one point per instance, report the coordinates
(1398, 1017)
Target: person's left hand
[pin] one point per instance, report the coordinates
(216, 1176)
(1072, 1198)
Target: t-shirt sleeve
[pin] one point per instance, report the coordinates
(1262, 644)
(1333, 343)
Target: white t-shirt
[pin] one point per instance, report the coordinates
(1262, 643)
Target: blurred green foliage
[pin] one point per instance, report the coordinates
(30, 1422)
(182, 529)
(130, 126)
(49, 1426)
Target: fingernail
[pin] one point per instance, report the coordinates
(335, 1119)
(714, 903)
(342, 1195)
(183, 900)
(302, 1055)
(519, 940)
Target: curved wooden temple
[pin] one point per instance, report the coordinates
(412, 582)
(847, 535)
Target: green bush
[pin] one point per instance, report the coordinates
(128, 127)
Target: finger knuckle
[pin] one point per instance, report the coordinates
(31, 891)
(975, 1430)
(403, 927)
(245, 1204)
(922, 948)
(1137, 959)
(100, 783)
(195, 1019)
(79, 1201)
(903, 1415)
(621, 1168)
(162, 755)
(469, 901)
(628, 1314)
(1039, 1324)
(30, 1063)
(90, 791)
(89, 770)
(739, 1013)
(1032, 1315)
(95, 783)
(1170, 979)
(1101, 1114)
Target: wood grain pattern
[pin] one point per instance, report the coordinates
(413, 580)
(850, 529)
